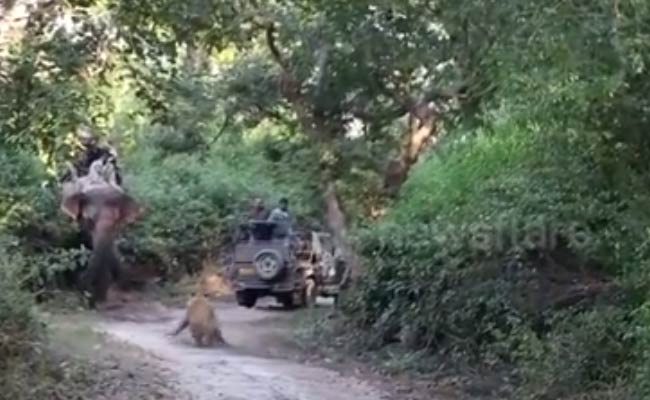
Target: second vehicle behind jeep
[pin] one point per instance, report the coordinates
(294, 269)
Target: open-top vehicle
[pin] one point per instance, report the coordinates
(294, 269)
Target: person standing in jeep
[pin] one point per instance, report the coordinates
(281, 216)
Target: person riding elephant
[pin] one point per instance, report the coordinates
(102, 209)
(93, 164)
(90, 153)
(92, 196)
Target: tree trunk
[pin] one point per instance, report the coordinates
(422, 130)
(336, 222)
(318, 129)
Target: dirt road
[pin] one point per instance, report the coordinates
(250, 367)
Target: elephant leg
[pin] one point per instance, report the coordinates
(98, 278)
(85, 233)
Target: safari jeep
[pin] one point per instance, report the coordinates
(267, 264)
(294, 270)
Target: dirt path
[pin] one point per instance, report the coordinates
(248, 368)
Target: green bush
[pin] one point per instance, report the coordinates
(24, 364)
(23, 196)
(591, 351)
(34, 367)
(20, 330)
(495, 234)
(193, 203)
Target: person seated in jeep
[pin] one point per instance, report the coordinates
(258, 212)
(280, 215)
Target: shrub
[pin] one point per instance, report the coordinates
(22, 354)
(194, 203)
(20, 330)
(494, 235)
(591, 350)
(23, 196)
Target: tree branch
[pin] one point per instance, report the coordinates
(226, 123)
(273, 46)
(411, 104)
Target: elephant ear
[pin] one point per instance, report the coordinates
(130, 210)
(71, 204)
(109, 201)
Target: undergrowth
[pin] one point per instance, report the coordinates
(513, 247)
(194, 203)
(28, 369)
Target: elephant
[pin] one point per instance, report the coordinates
(102, 208)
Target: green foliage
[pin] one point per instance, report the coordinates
(34, 364)
(591, 350)
(491, 235)
(26, 371)
(193, 204)
(49, 82)
(539, 192)
(313, 65)
(30, 215)
(20, 329)
(21, 194)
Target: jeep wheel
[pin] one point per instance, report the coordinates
(268, 264)
(309, 294)
(246, 299)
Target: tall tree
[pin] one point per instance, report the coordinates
(50, 61)
(321, 65)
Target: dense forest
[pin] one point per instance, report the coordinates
(483, 164)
